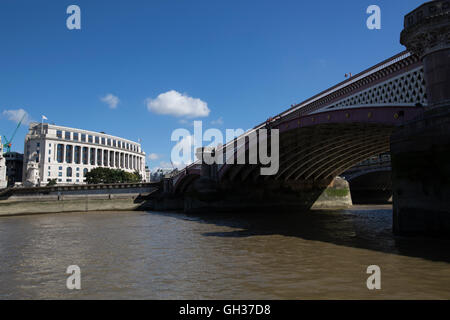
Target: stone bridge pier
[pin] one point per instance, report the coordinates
(421, 149)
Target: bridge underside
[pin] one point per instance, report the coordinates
(318, 153)
(372, 188)
(310, 160)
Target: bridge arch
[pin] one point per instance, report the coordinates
(324, 145)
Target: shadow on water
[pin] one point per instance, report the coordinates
(361, 227)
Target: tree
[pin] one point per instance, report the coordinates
(51, 182)
(106, 175)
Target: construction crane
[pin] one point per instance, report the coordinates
(8, 143)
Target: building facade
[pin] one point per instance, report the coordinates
(14, 167)
(147, 174)
(3, 181)
(67, 154)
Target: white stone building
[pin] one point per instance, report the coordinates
(147, 174)
(3, 179)
(67, 154)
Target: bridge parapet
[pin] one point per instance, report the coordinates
(376, 86)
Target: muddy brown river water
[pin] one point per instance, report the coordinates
(151, 255)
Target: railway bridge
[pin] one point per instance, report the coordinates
(319, 139)
(400, 105)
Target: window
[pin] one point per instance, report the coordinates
(59, 174)
(85, 171)
(75, 136)
(99, 157)
(67, 135)
(60, 168)
(59, 134)
(69, 154)
(78, 174)
(60, 153)
(69, 172)
(49, 174)
(109, 142)
(97, 140)
(90, 139)
(105, 158)
(59, 180)
(38, 144)
(49, 151)
(85, 155)
(49, 159)
(103, 141)
(92, 156)
(78, 169)
(69, 180)
(77, 154)
(83, 137)
(114, 143)
(111, 158)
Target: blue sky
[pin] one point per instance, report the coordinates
(229, 63)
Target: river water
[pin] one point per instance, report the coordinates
(148, 255)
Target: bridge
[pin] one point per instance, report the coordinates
(400, 105)
(320, 139)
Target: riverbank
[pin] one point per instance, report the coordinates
(60, 199)
(69, 204)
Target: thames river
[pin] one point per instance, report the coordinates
(151, 255)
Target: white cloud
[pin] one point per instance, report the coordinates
(217, 122)
(153, 156)
(111, 100)
(16, 116)
(179, 105)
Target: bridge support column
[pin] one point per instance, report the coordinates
(421, 149)
(336, 195)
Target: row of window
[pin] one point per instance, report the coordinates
(99, 157)
(69, 172)
(67, 180)
(75, 136)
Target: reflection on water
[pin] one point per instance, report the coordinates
(317, 255)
